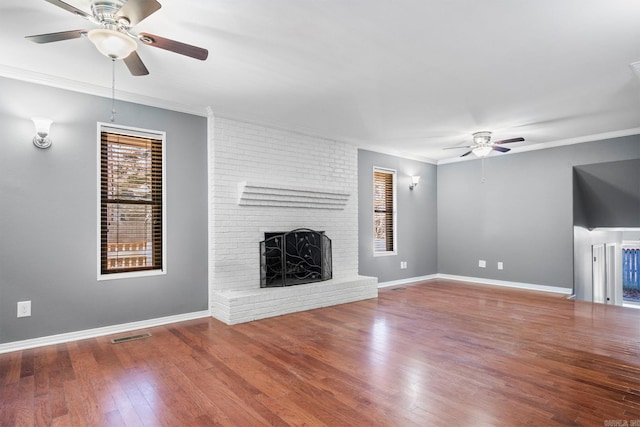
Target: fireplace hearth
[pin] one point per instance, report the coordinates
(294, 258)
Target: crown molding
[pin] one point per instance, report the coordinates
(90, 89)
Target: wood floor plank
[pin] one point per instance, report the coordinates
(434, 353)
(145, 412)
(10, 368)
(9, 401)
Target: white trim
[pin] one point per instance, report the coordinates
(518, 285)
(131, 131)
(362, 145)
(407, 281)
(98, 332)
(130, 274)
(137, 132)
(91, 89)
(630, 244)
(211, 123)
(479, 281)
(386, 253)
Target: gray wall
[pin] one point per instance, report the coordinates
(521, 215)
(607, 194)
(48, 216)
(416, 222)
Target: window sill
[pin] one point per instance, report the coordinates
(131, 275)
(391, 253)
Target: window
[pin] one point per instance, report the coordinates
(384, 211)
(131, 208)
(631, 272)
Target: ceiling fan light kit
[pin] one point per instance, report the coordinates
(482, 151)
(112, 43)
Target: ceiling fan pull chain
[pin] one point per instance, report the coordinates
(482, 170)
(113, 90)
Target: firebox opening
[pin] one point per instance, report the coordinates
(294, 258)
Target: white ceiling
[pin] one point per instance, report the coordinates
(407, 77)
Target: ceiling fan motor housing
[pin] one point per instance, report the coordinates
(482, 138)
(104, 12)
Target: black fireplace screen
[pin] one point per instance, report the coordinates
(293, 258)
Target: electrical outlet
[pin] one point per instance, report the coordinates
(500, 265)
(403, 265)
(24, 308)
(482, 263)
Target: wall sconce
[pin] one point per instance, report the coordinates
(414, 182)
(42, 140)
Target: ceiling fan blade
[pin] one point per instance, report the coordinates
(467, 153)
(174, 46)
(501, 149)
(56, 37)
(135, 65)
(71, 9)
(508, 141)
(137, 10)
(460, 146)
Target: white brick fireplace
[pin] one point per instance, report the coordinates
(270, 180)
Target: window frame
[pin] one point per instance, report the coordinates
(137, 132)
(394, 175)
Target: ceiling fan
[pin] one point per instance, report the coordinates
(482, 144)
(114, 38)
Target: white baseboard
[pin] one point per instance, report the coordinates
(98, 332)
(406, 281)
(631, 305)
(518, 285)
(480, 281)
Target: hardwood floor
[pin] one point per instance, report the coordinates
(432, 353)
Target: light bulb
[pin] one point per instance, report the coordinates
(43, 125)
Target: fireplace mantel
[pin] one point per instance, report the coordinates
(283, 195)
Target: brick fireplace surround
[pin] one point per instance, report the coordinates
(264, 179)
